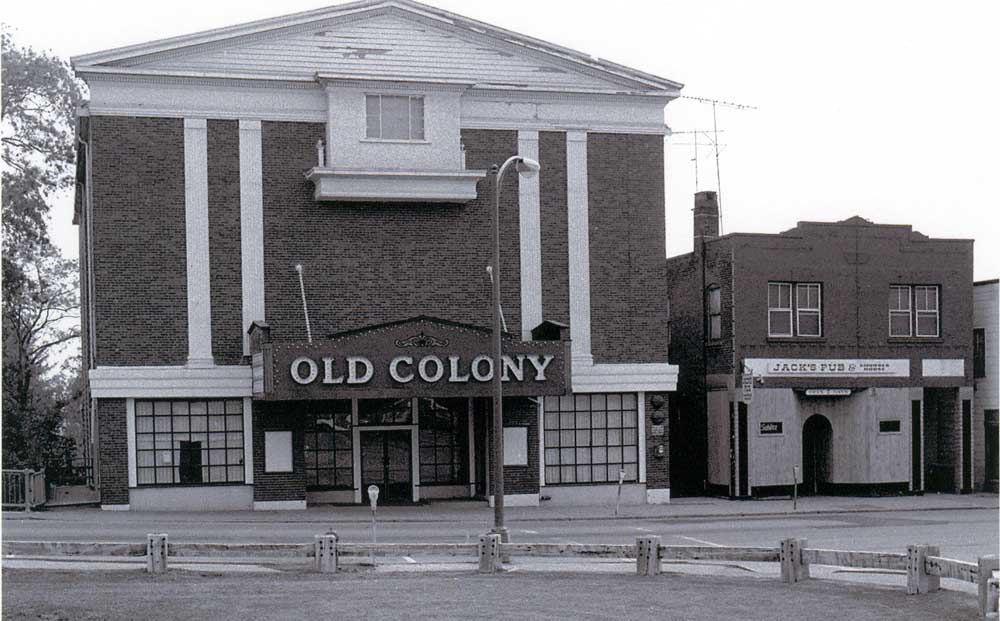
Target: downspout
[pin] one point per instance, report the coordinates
(88, 214)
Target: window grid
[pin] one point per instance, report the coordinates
(914, 310)
(376, 119)
(714, 313)
(978, 353)
(808, 309)
(926, 305)
(188, 442)
(779, 305)
(329, 447)
(899, 311)
(590, 438)
(798, 315)
(444, 441)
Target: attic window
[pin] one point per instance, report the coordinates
(392, 117)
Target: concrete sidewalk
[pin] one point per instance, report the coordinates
(477, 512)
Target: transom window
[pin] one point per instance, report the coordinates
(394, 117)
(444, 441)
(189, 442)
(329, 447)
(385, 412)
(714, 313)
(914, 310)
(798, 315)
(590, 438)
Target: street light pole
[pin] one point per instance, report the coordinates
(525, 166)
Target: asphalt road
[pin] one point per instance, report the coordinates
(962, 534)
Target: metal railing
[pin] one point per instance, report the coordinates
(23, 489)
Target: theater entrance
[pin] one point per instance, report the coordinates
(386, 461)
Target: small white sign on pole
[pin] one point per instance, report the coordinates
(746, 382)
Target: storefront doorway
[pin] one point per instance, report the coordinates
(816, 436)
(386, 462)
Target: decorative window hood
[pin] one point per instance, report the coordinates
(423, 186)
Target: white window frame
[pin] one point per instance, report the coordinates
(818, 311)
(908, 311)
(936, 313)
(409, 118)
(770, 309)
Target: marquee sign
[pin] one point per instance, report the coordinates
(803, 367)
(419, 357)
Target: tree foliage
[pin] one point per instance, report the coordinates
(40, 288)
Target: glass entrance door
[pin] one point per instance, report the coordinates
(386, 462)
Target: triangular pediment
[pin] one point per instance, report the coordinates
(391, 40)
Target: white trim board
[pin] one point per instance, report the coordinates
(279, 505)
(199, 298)
(646, 377)
(171, 382)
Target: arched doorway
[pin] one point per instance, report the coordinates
(816, 437)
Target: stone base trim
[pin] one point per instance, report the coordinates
(658, 496)
(279, 505)
(116, 508)
(518, 500)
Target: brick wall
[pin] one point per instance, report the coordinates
(112, 437)
(555, 236)
(627, 248)
(274, 486)
(225, 262)
(520, 412)
(657, 467)
(140, 276)
(372, 263)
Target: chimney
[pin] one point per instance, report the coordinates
(706, 217)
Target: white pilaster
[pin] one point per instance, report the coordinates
(579, 248)
(248, 440)
(130, 441)
(642, 436)
(251, 226)
(199, 299)
(531, 238)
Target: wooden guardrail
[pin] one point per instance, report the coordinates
(922, 564)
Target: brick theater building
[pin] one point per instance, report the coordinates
(285, 228)
(840, 351)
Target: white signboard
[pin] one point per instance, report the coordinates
(747, 385)
(808, 367)
(828, 392)
(515, 446)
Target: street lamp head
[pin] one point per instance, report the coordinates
(527, 166)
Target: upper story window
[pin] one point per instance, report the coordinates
(394, 117)
(714, 313)
(978, 353)
(798, 315)
(914, 310)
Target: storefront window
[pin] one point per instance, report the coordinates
(385, 412)
(444, 441)
(329, 447)
(590, 438)
(189, 442)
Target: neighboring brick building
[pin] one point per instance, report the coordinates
(858, 338)
(986, 373)
(340, 159)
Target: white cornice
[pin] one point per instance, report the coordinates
(651, 377)
(170, 382)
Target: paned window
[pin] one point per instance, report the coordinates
(808, 311)
(328, 442)
(394, 117)
(914, 310)
(900, 321)
(779, 309)
(444, 441)
(714, 313)
(385, 412)
(979, 353)
(590, 438)
(189, 442)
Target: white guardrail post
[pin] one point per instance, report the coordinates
(489, 553)
(327, 558)
(156, 553)
(918, 581)
(793, 567)
(647, 556)
(987, 565)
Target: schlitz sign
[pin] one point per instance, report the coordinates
(418, 357)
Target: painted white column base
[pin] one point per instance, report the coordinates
(115, 507)
(279, 505)
(658, 496)
(518, 500)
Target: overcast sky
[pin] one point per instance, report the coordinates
(886, 110)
